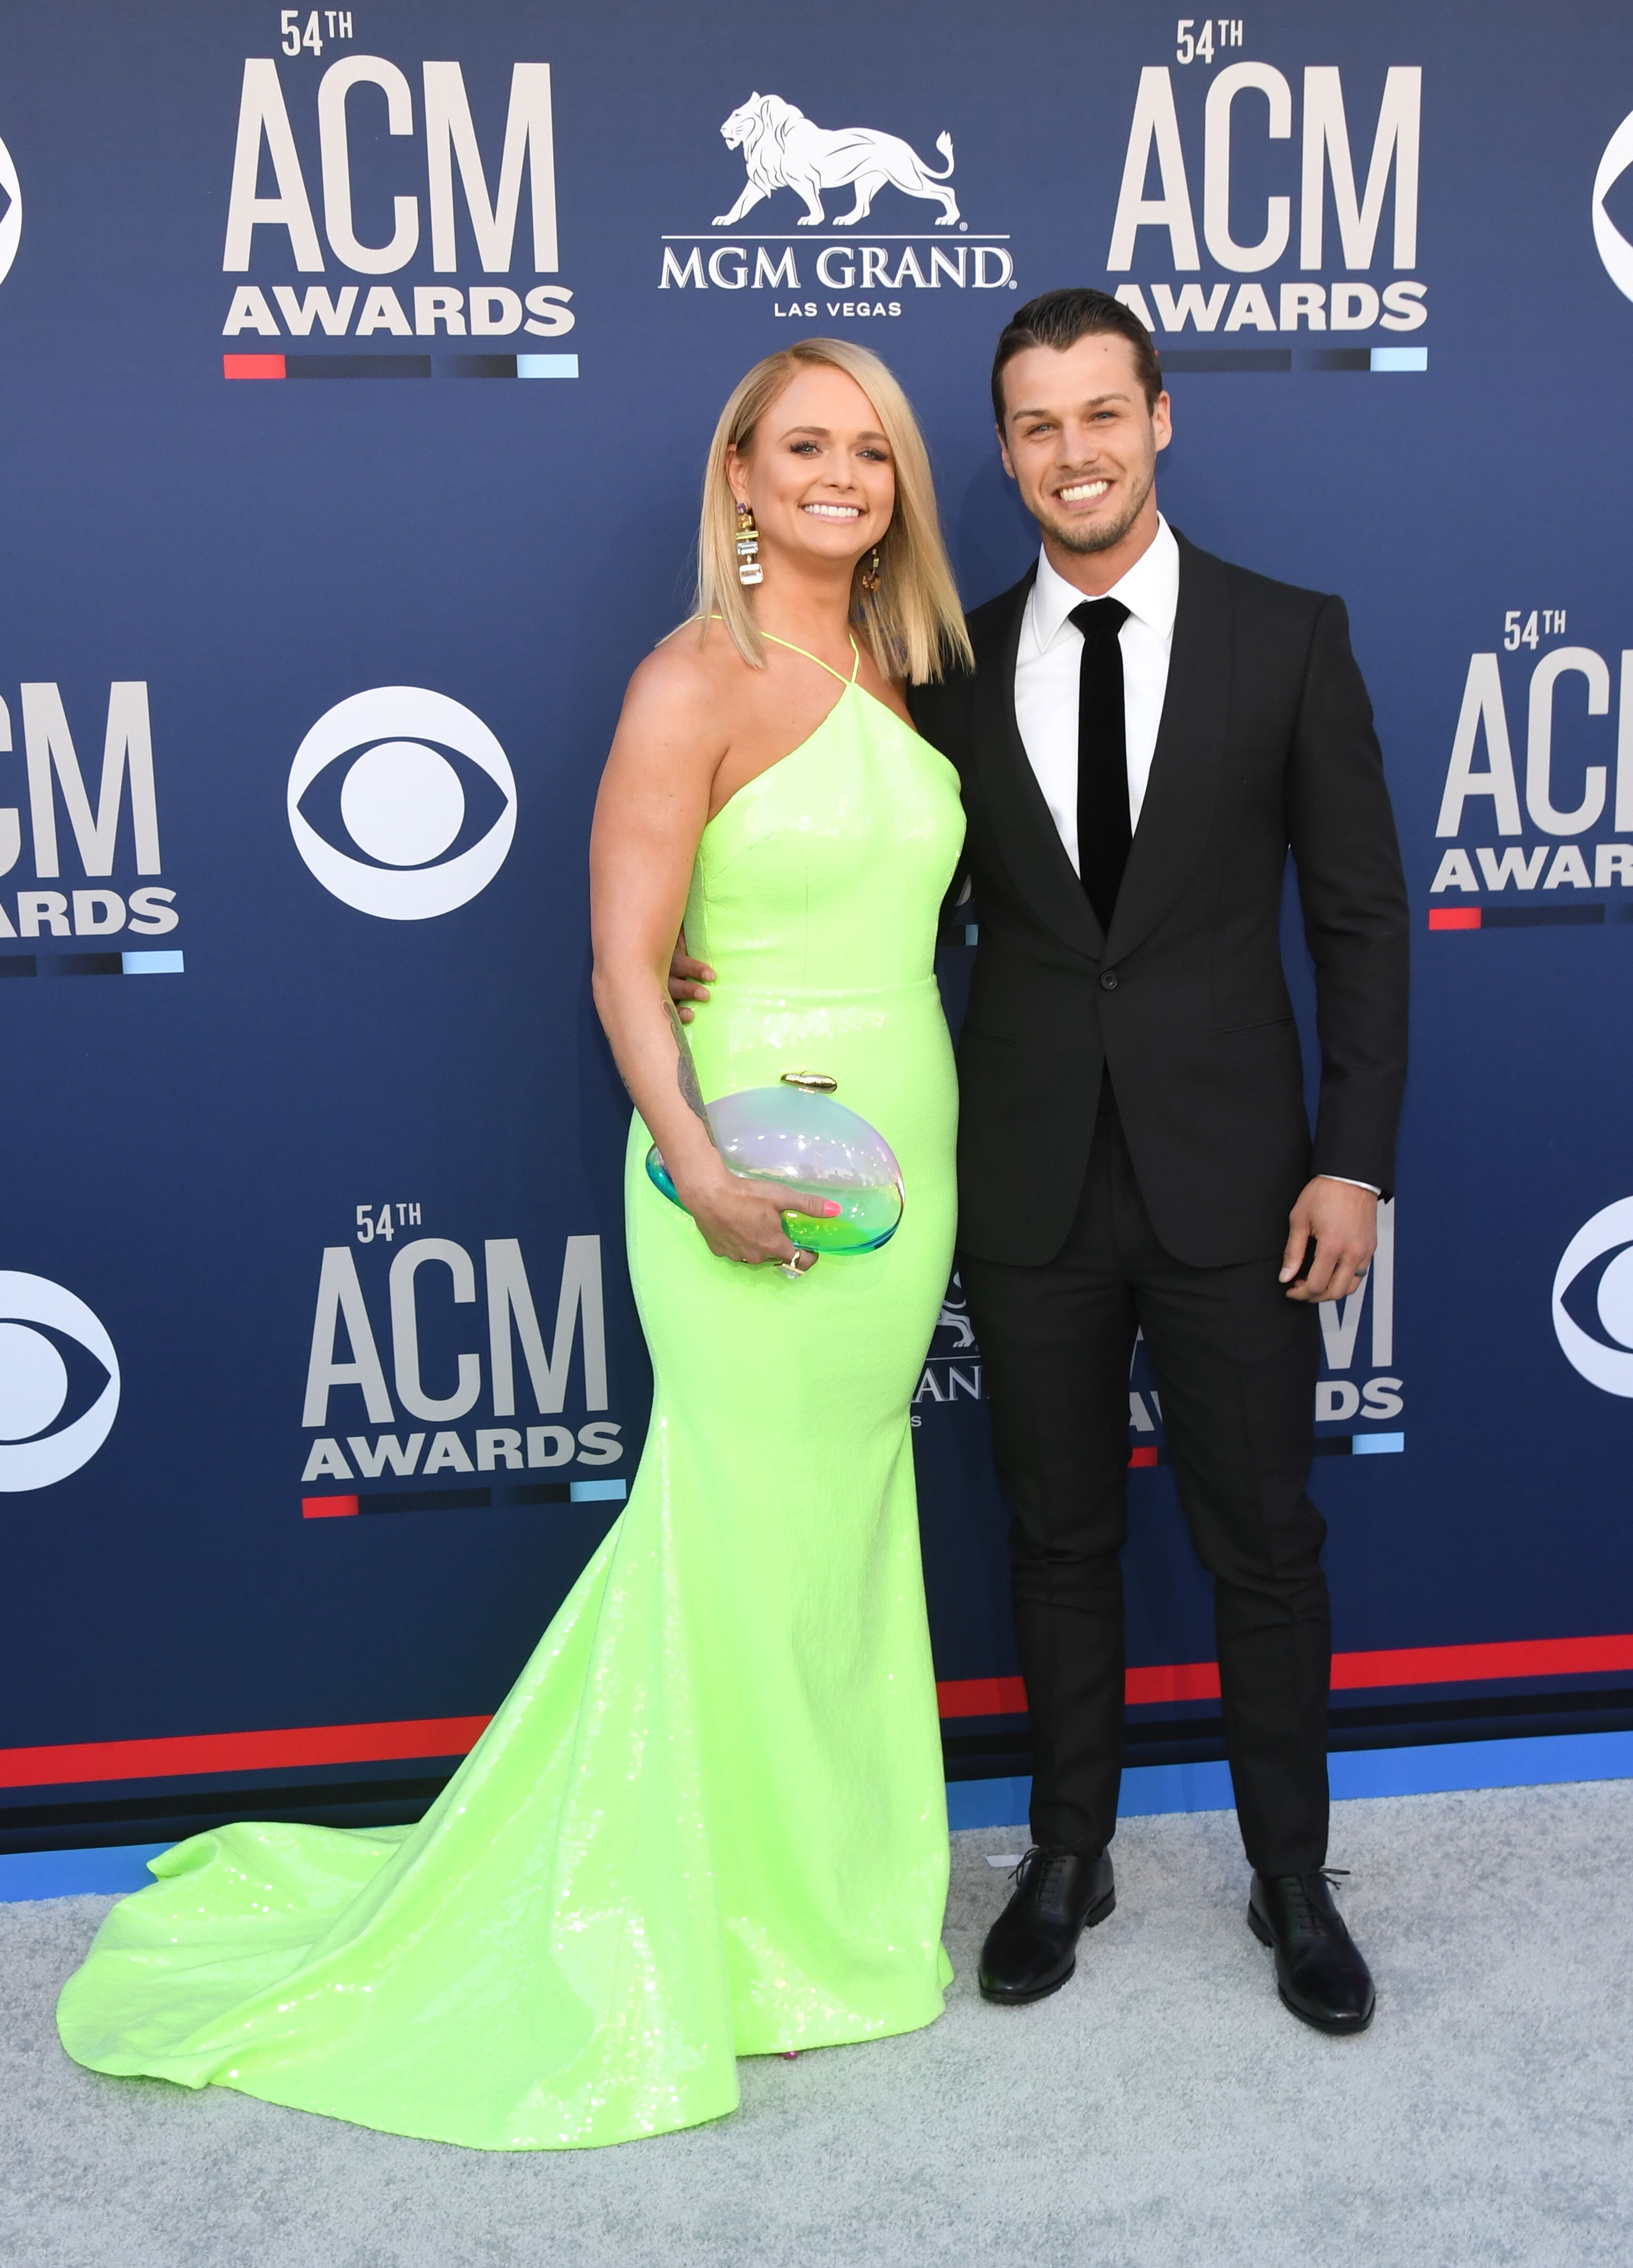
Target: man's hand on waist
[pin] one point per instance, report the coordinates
(687, 979)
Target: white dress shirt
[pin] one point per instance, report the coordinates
(1048, 666)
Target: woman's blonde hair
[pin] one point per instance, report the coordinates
(912, 623)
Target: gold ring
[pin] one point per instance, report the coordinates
(792, 1270)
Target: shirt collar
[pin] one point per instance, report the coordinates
(1150, 589)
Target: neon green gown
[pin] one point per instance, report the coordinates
(709, 1820)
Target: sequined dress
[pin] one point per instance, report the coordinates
(709, 1820)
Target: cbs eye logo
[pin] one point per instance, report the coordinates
(426, 809)
(10, 212)
(1614, 248)
(55, 1357)
(1594, 1300)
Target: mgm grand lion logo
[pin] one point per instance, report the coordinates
(782, 148)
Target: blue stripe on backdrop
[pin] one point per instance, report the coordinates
(26, 1874)
(1147, 1789)
(1430, 1771)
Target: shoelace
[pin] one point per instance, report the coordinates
(1310, 1917)
(1050, 1858)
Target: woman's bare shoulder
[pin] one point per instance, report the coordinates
(696, 666)
(679, 705)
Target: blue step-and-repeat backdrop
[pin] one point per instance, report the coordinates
(357, 366)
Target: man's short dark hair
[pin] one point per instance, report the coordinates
(1058, 319)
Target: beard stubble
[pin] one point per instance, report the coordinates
(1105, 533)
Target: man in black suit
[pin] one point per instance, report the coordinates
(1147, 732)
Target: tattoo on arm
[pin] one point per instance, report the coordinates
(686, 1070)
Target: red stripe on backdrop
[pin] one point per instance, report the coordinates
(252, 365)
(1412, 1665)
(982, 1696)
(427, 1738)
(1446, 1665)
(1454, 918)
(1005, 1696)
(228, 1752)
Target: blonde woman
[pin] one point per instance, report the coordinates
(709, 1820)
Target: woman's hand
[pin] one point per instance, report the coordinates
(740, 1220)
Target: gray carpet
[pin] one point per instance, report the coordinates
(1162, 2111)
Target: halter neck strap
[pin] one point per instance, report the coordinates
(821, 664)
(816, 658)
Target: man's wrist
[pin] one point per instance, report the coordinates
(1349, 1182)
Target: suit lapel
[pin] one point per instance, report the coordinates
(1177, 812)
(1024, 827)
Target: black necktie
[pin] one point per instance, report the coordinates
(1104, 832)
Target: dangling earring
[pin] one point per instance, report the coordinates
(748, 568)
(869, 577)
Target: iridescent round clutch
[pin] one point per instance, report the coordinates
(796, 1134)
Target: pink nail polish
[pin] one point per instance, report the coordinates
(831, 1211)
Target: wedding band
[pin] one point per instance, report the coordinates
(1362, 1270)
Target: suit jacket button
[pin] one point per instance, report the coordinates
(1108, 982)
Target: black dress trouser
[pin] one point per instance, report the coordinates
(1236, 1363)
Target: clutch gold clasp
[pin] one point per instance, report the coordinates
(811, 1082)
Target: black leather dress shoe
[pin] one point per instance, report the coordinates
(1031, 1948)
(1319, 1970)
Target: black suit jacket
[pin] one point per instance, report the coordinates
(1265, 743)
